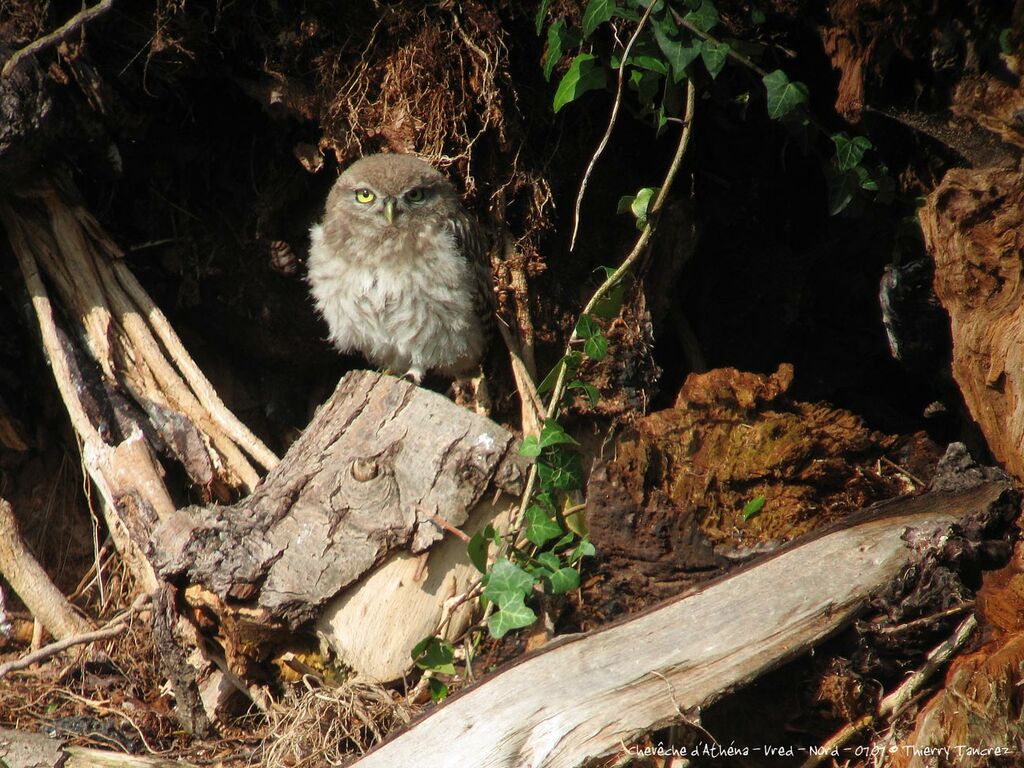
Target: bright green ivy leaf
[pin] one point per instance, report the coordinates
(549, 562)
(506, 582)
(586, 327)
(553, 434)
(849, 152)
(783, 96)
(596, 347)
(563, 580)
(530, 447)
(540, 528)
(704, 17)
(714, 56)
(553, 52)
(542, 14)
(752, 507)
(513, 615)
(584, 74)
(598, 12)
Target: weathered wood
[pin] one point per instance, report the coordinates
(973, 225)
(378, 461)
(589, 695)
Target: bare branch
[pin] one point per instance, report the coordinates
(58, 35)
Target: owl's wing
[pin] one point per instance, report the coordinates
(472, 242)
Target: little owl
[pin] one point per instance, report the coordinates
(399, 270)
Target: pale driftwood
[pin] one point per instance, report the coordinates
(590, 695)
(373, 625)
(378, 462)
(28, 579)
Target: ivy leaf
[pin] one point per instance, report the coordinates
(596, 347)
(704, 17)
(435, 654)
(438, 690)
(548, 382)
(553, 434)
(563, 580)
(553, 52)
(598, 12)
(608, 306)
(530, 447)
(542, 14)
(783, 96)
(584, 74)
(513, 615)
(540, 528)
(849, 152)
(588, 389)
(752, 507)
(586, 327)
(549, 562)
(478, 547)
(507, 582)
(714, 55)
(562, 470)
(583, 549)
(679, 56)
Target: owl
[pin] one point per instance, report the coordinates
(399, 270)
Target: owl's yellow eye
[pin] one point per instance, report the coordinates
(414, 195)
(365, 196)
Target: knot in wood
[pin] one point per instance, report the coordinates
(364, 470)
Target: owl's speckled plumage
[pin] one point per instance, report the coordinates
(408, 287)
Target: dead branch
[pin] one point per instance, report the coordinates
(61, 33)
(28, 579)
(112, 628)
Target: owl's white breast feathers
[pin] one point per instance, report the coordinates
(405, 306)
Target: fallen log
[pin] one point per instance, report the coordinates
(374, 480)
(591, 695)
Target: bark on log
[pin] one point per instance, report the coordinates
(378, 461)
(973, 225)
(588, 695)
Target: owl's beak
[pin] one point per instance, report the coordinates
(389, 209)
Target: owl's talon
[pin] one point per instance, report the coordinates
(415, 375)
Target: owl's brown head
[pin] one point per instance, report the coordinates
(383, 190)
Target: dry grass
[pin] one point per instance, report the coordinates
(316, 726)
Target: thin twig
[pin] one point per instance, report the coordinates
(614, 278)
(732, 52)
(894, 703)
(58, 35)
(113, 628)
(611, 124)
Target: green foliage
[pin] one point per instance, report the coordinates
(753, 507)
(675, 36)
(784, 96)
(584, 74)
(436, 657)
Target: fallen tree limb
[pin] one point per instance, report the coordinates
(31, 583)
(113, 628)
(588, 695)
